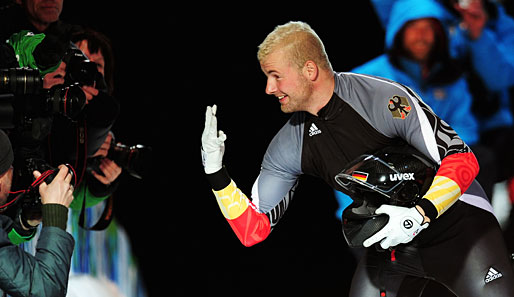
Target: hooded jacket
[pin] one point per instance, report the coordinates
(491, 57)
(444, 89)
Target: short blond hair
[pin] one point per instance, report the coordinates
(300, 42)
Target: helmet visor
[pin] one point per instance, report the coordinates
(369, 172)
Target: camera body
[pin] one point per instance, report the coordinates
(131, 158)
(30, 200)
(80, 70)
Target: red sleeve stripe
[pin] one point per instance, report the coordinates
(453, 178)
(251, 227)
(462, 168)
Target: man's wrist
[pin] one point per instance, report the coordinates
(26, 224)
(219, 179)
(422, 212)
(429, 210)
(55, 215)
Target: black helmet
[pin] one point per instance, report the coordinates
(395, 175)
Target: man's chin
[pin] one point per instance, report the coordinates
(286, 109)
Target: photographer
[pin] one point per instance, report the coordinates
(70, 120)
(45, 273)
(99, 181)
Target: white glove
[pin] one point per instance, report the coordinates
(213, 142)
(404, 224)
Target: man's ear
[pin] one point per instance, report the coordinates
(310, 70)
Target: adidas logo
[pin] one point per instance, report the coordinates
(492, 274)
(313, 130)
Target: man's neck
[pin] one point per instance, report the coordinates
(323, 91)
(40, 26)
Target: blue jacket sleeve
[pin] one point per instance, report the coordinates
(461, 119)
(492, 53)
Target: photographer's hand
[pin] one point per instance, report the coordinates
(110, 171)
(55, 78)
(59, 191)
(90, 92)
(109, 168)
(474, 17)
(30, 223)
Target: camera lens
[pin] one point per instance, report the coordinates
(20, 81)
(68, 101)
(133, 159)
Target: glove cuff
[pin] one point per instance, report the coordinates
(219, 179)
(429, 208)
(208, 166)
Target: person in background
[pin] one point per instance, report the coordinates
(46, 272)
(417, 54)
(481, 38)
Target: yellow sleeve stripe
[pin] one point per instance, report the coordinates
(443, 193)
(231, 201)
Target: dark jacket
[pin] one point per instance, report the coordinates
(45, 273)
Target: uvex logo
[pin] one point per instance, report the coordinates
(401, 176)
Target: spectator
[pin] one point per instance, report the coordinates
(417, 55)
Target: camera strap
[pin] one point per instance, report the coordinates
(19, 194)
(80, 165)
(104, 220)
(81, 154)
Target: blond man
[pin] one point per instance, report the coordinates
(337, 117)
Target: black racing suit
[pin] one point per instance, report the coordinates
(462, 249)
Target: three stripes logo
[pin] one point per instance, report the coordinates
(313, 130)
(492, 274)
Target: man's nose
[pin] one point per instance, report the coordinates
(270, 87)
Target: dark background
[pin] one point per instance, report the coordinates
(171, 62)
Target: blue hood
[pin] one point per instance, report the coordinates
(404, 11)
